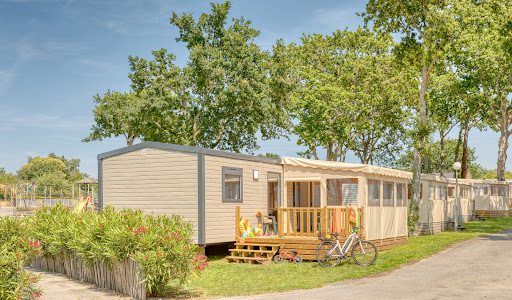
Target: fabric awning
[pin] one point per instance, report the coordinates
(304, 179)
(341, 166)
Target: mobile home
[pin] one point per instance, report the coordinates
(202, 185)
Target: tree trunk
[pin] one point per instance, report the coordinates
(502, 153)
(130, 140)
(441, 154)
(464, 163)
(425, 164)
(458, 144)
(331, 154)
(421, 139)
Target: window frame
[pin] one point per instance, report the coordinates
(236, 172)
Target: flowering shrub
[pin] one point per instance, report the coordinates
(161, 245)
(16, 250)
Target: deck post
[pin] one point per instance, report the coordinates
(237, 222)
(279, 221)
(347, 231)
(361, 221)
(323, 220)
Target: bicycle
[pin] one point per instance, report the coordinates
(279, 257)
(328, 253)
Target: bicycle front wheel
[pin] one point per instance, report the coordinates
(328, 255)
(364, 253)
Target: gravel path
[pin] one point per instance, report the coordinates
(59, 287)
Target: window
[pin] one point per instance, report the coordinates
(432, 191)
(232, 184)
(342, 192)
(373, 192)
(400, 195)
(440, 192)
(387, 193)
(486, 191)
(451, 191)
(502, 191)
(494, 190)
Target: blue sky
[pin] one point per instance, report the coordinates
(56, 55)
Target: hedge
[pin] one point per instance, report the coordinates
(16, 250)
(160, 246)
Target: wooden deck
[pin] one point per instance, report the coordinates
(306, 247)
(298, 230)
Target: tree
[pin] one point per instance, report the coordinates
(351, 94)
(117, 114)
(406, 160)
(8, 178)
(426, 30)
(493, 174)
(270, 155)
(72, 170)
(485, 58)
(39, 166)
(444, 110)
(223, 97)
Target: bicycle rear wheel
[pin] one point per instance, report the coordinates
(364, 253)
(328, 255)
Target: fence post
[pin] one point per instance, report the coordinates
(237, 222)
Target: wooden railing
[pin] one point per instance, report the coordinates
(310, 221)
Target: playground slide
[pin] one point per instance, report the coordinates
(82, 204)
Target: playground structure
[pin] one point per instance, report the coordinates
(24, 196)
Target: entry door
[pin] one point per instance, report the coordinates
(274, 192)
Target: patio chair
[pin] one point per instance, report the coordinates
(267, 222)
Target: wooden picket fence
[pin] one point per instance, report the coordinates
(121, 277)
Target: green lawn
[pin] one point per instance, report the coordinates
(224, 279)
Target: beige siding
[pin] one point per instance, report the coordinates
(220, 217)
(162, 181)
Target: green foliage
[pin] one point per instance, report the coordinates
(56, 180)
(16, 251)
(161, 245)
(351, 94)
(72, 167)
(39, 166)
(493, 174)
(228, 93)
(482, 58)
(53, 171)
(270, 155)
(406, 160)
(117, 114)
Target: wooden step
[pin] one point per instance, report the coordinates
(256, 245)
(252, 260)
(251, 250)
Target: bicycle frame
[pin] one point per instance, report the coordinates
(288, 256)
(346, 246)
